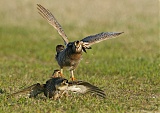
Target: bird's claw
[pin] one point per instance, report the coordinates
(73, 78)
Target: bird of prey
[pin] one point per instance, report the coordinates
(57, 87)
(71, 54)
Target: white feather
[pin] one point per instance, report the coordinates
(77, 88)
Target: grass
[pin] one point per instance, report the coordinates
(128, 69)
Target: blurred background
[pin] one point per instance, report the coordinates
(127, 67)
(90, 15)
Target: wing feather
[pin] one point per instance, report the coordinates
(85, 87)
(90, 40)
(31, 91)
(46, 14)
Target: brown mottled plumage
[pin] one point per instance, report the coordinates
(72, 54)
(58, 86)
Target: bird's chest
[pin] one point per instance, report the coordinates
(69, 59)
(76, 56)
(73, 59)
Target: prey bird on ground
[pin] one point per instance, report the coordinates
(57, 87)
(71, 55)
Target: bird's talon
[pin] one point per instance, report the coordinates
(73, 79)
(61, 75)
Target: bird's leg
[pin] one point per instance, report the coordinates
(61, 70)
(56, 95)
(65, 92)
(72, 76)
(61, 73)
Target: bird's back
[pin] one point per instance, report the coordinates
(50, 86)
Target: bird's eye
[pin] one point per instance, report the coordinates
(77, 42)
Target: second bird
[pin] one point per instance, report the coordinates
(71, 55)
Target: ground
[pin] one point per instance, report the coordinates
(127, 68)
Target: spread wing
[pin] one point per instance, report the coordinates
(46, 14)
(85, 87)
(90, 40)
(31, 91)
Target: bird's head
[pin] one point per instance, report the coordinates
(77, 47)
(62, 84)
(59, 48)
(56, 73)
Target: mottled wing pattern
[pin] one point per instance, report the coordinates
(85, 87)
(50, 87)
(100, 37)
(53, 85)
(46, 14)
(31, 91)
